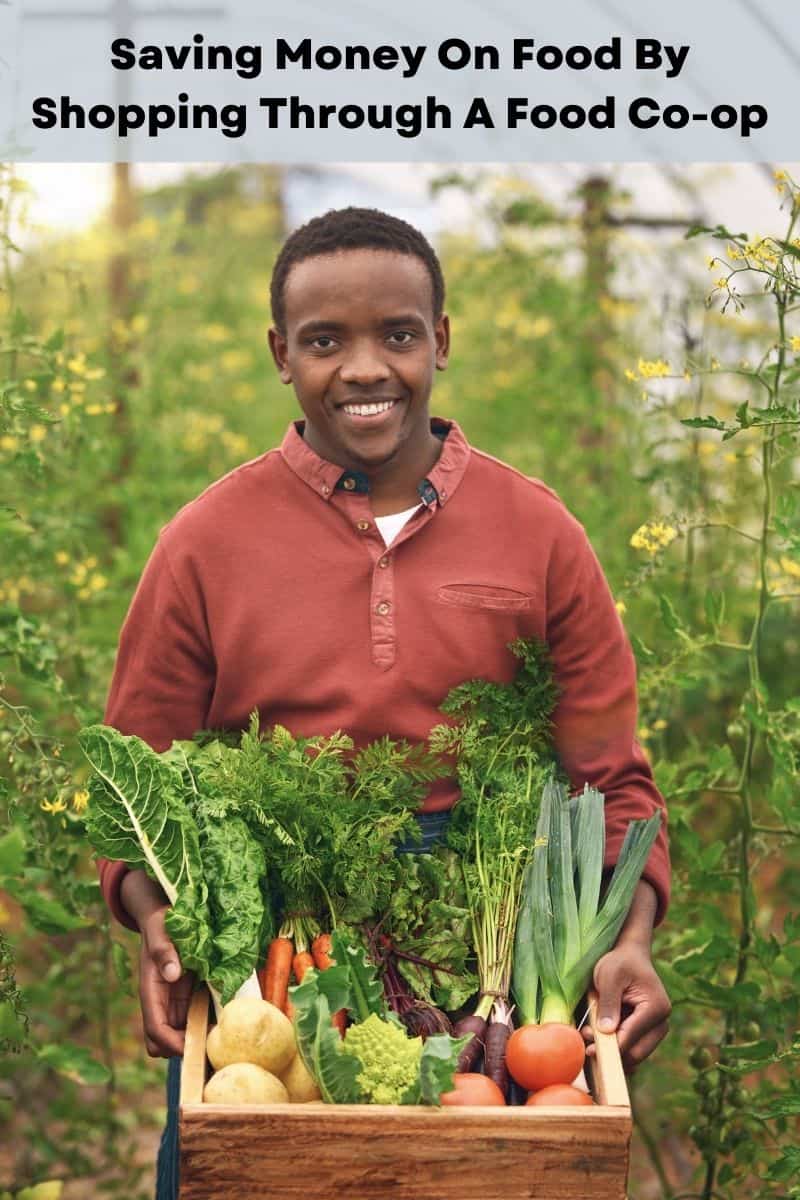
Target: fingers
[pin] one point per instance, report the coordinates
(163, 990)
(160, 948)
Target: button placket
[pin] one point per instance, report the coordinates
(382, 622)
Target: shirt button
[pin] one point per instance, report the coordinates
(362, 526)
(326, 491)
(383, 608)
(349, 484)
(383, 562)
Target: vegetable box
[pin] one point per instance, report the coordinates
(371, 1152)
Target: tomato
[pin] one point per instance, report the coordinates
(471, 1088)
(559, 1093)
(538, 1055)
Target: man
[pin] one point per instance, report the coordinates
(350, 578)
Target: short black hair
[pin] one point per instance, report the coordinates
(352, 229)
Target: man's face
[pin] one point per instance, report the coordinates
(360, 347)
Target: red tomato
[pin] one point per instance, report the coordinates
(559, 1093)
(471, 1088)
(538, 1055)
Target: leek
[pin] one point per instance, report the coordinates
(563, 928)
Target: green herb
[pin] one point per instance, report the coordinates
(504, 751)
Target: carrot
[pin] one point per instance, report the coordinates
(302, 960)
(274, 976)
(321, 951)
(476, 1027)
(497, 1035)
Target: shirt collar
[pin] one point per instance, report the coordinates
(325, 477)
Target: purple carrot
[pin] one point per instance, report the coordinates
(497, 1035)
(476, 1027)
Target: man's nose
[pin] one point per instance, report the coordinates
(364, 364)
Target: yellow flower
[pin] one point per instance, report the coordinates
(65, 409)
(140, 323)
(687, 375)
(653, 536)
(621, 607)
(189, 284)
(97, 583)
(714, 364)
(660, 724)
(58, 385)
(721, 282)
(61, 557)
(631, 375)
(37, 433)
(790, 567)
(94, 410)
(80, 800)
(9, 443)
(653, 368)
(77, 388)
(77, 364)
(643, 733)
(794, 342)
(30, 385)
(54, 806)
(711, 263)
(95, 373)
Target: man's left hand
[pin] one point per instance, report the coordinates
(631, 997)
(631, 1000)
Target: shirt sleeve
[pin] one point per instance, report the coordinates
(163, 678)
(596, 715)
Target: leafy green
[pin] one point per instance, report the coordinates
(377, 1062)
(428, 925)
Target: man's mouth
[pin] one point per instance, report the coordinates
(367, 409)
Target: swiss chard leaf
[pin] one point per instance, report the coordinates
(136, 812)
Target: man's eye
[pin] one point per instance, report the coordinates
(323, 341)
(401, 337)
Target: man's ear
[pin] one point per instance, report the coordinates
(441, 333)
(280, 353)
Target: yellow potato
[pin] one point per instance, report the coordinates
(244, 1083)
(299, 1082)
(251, 1030)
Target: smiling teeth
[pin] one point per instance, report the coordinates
(366, 410)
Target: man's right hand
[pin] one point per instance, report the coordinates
(164, 988)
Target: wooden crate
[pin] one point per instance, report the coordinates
(375, 1152)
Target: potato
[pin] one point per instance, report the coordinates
(212, 1047)
(299, 1082)
(244, 1083)
(252, 1031)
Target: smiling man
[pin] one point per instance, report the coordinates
(351, 577)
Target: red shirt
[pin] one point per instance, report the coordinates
(273, 590)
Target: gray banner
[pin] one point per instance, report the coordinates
(236, 81)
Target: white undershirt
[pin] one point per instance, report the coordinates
(389, 526)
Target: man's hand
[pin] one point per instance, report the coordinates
(631, 997)
(164, 989)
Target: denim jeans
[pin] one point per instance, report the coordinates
(433, 826)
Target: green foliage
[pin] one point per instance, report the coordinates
(377, 1063)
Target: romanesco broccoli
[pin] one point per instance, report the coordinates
(388, 1056)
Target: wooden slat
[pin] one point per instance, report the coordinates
(609, 1078)
(193, 1075)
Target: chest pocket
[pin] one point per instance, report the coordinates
(483, 596)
